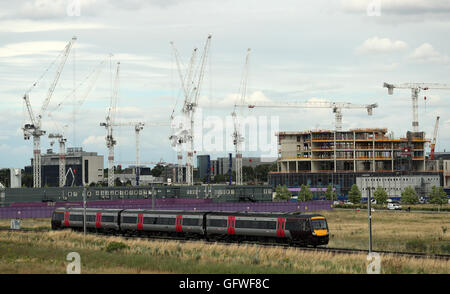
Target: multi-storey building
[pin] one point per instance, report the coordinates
(86, 168)
(321, 157)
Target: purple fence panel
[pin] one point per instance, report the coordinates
(45, 211)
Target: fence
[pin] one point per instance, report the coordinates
(45, 210)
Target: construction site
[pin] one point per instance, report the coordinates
(316, 158)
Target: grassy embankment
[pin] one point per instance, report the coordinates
(45, 252)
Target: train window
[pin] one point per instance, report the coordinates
(129, 219)
(306, 226)
(217, 222)
(107, 218)
(319, 224)
(90, 218)
(149, 220)
(76, 218)
(58, 216)
(242, 224)
(190, 221)
(165, 221)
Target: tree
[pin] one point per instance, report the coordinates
(157, 170)
(409, 196)
(282, 193)
(380, 195)
(305, 193)
(330, 194)
(438, 196)
(248, 174)
(354, 196)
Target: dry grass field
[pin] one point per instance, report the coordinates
(45, 252)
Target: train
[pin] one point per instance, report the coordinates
(303, 229)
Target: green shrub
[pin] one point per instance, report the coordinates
(115, 246)
(416, 245)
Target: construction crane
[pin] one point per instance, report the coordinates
(34, 129)
(138, 127)
(415, 90)
(110, 117)
(179, 136)
(335, 106)
(433, 142)
(191, 84)
(237, 136)
(189, 109)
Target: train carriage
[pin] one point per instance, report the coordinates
(306, 229)
(170, 222)
(97, 219)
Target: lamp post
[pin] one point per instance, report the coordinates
(369, 202)
(84, 211)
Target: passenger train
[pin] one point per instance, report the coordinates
(289, 228)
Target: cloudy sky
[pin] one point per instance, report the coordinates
(300, 51)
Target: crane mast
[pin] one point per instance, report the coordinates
(110, 141)
(62, 156)
(177, 138)
(34, 129)
(237, 136)
(189, 109)
(416, 88)
(335, 106)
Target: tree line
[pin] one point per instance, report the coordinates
(408, 196)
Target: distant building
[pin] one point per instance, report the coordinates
(221, 165)
(82, 168)
(144, 180)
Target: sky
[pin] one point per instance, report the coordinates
(340, 51)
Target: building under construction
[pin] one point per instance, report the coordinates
(322, 157)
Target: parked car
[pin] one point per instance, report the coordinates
(394, 206)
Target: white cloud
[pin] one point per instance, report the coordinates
(32, 26)
(381, 45)
(33, 48)
(426, 53)
(398, 6)
(94, 141)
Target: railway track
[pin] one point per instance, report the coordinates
(331, 250)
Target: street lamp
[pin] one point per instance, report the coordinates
(369, 202)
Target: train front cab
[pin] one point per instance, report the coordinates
(58, 218)
(319, 230)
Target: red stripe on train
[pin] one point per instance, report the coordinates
(140, 221)
(231, 225)
(179, 223)
(281, 225)
(98, 220)
(66, 218)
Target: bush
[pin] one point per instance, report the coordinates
(409, 196)
(354, 196)
(282, 193)
(416, 246)
(116, 246)
(380, 195)
(305, 193)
